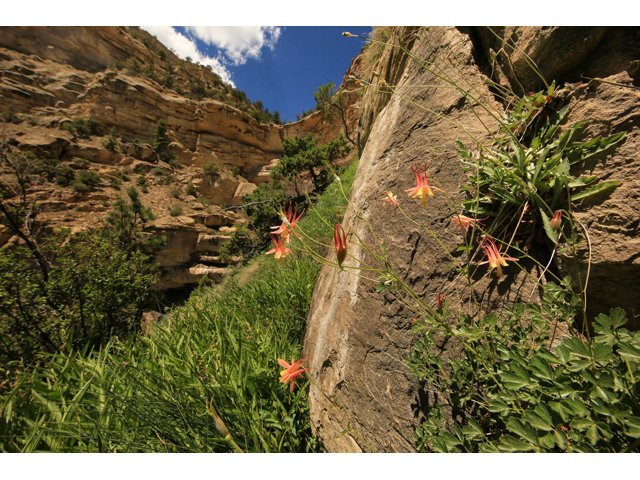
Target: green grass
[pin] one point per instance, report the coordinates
(217, 353)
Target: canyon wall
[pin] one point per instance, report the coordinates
(358, 338)
(52, 76)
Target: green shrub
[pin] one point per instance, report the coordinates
(158, 172)
(79, 187)
(175, 193)
(175, 211)
(211, 168)
(64, 175)
(111, 142)
(115, 183)
(84, 128)
(89, 178)
(175, 164)
(191, 190)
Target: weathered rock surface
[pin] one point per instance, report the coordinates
(357, 338)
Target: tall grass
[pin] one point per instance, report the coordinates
(206, 382)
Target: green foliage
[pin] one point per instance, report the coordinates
(211, 168)
(153, 394)
(241, 242)
(191, 190)
(160, 142)
(9, 115)
(530, 168)
(93, 291)
(133, 67)
(263, 203)
(64, 175)
(514, 394)
(304, 155)
(126, 222)
(84, 128)
(175, 211)
(90, 178)
(111, 142)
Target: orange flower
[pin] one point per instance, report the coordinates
(465, 222)
(495, 259)
(291, 372)
(391, 198)
(422, 188)
(340, 243)
(288, 223)
(280, 251)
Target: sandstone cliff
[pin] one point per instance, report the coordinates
(357, 338)
(122, 80)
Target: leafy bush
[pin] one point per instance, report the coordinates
(89, 178)
(111, 142)
(9, 115)
(211, 168)
(64, 175)
(304, 155)
(84, 128)
(93, 291)
(175, 211)
(579, 397)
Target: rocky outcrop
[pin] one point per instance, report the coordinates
(51, 77)
(357, 338)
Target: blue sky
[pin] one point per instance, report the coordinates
(280, 66)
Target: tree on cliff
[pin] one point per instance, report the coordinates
(329, 102)
(304, 155)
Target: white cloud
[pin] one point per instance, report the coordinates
(237, 44)
(185, 47)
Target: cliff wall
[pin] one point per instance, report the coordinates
(358, 338)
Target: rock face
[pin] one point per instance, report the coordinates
(356, 337)
(118, 78)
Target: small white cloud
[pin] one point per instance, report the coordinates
(238, 43)
(185, 47)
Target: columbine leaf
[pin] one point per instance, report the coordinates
(547, 227)
(595, 190)
(511, 444)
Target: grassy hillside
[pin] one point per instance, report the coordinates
(207, 381)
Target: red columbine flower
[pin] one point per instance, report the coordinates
(288, 222)
(340, 243)
(392, 199)
(465, 222)
(495, 259)
(422, 188)
(439, 299)
(291, 372)
(556, 221)
(281, 251)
